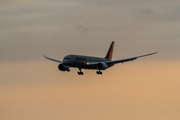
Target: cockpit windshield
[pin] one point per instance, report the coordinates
(66, 58)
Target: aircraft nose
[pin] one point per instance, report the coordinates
(65, 62)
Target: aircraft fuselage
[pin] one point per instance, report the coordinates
(81, 61)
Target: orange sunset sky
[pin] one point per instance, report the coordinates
(32, 87)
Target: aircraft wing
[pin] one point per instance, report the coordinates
(127, 59)
(52, 59)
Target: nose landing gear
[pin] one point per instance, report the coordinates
(99, 72)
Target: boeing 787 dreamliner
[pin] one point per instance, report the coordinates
(89, 62)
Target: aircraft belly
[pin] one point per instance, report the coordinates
(82, 65)
(89, 67)
(76, 64)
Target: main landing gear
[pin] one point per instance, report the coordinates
(80, 72)
(99, 72)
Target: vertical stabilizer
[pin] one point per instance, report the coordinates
(110, 51)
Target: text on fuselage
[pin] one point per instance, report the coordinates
(80, 59)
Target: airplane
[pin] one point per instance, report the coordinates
(90, 62)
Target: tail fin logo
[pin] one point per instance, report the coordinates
(110, 52)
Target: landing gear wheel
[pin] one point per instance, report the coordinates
(80, 72)
(99, 72)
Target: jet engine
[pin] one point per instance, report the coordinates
(101, 66)
(62, 67)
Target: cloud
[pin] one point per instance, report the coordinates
(36, 28)
(81, 27)
(147, 11)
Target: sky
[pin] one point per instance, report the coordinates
(32, 87)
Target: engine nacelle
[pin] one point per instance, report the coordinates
(101, 66)
(62, 67)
